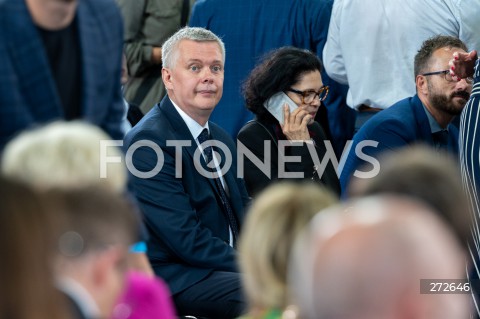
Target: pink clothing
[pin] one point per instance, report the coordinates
(144, 298)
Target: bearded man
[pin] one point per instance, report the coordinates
(424, 118)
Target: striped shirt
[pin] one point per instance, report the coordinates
(469, 151)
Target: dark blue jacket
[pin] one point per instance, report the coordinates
(402, 124)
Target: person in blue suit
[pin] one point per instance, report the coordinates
(423, 118)
(193, 217)
(252, 28)
(61, 59)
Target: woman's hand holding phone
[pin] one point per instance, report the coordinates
(295, 124)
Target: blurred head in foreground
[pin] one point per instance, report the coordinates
(27, 234)
(64, 155)
(419, 172)
(93, 247)
(274, 220)
(365, 258)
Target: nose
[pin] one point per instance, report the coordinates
(207, 75)
(463, 85)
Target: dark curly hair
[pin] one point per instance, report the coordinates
(422, 58)
(279, 70)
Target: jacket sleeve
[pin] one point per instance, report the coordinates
(333, 60)
(138, 52)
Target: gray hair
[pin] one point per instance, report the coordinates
(169, 47)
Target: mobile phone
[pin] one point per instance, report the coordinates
(275, 104)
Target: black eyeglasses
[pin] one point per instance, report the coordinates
(448, 76)
(309, 96)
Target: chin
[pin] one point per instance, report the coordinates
(208, 105)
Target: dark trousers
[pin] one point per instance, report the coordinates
(218, 296)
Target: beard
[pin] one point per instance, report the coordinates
(447, 103)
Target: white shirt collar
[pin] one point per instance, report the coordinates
(194, 128)
(80, 295)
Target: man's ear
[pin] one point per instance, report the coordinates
(167, 78)
(421, 84)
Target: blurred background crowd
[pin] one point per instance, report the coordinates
(216, 159)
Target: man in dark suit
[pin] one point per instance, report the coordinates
(193, 218)
(61, 59)
(423, 118)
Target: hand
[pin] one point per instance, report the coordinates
(462, 65)
(156, 57)
(295, 124)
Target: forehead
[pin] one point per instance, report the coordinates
(443, 55)
(310, 78)
(206, 51)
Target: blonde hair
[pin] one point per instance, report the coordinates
(275, 219)
(63, 155)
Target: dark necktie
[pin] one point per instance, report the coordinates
(440, 139)
(227, 207)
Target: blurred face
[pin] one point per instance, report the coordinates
(444, 96)
(195, 83)
(52, 14)
(114, 283)
(309, 81)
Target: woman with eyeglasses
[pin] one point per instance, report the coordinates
(285, 92)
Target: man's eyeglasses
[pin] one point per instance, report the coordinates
(309, 96)
(447, 75)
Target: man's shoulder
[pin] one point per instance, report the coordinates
(154, 125)
(400, 111)
(400, 108)
(399, 118)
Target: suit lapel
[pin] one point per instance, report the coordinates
(180, 129)
(31, 65)
(181, 132)
(92, 53)
(423, 125)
